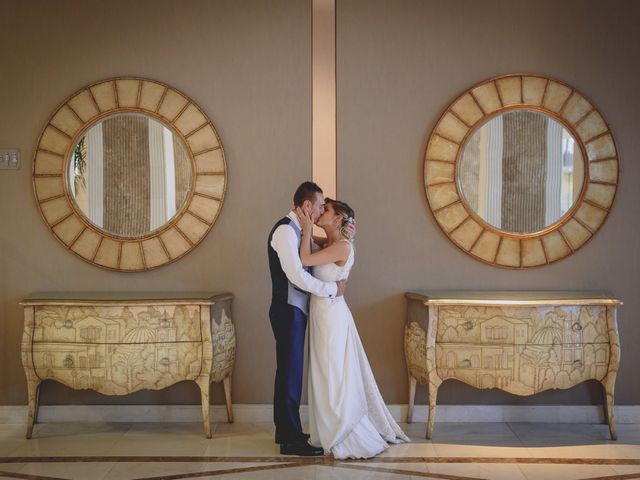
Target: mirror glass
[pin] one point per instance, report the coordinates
(521, 171)
(129, 174)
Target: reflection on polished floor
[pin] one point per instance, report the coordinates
(458, 451)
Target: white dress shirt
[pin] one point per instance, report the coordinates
(285, 242)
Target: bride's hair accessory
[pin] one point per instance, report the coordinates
(347, 214)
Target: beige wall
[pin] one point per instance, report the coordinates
(400, 63)
(248, 64)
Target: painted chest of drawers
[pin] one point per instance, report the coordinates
(519, 342)
(119, 344)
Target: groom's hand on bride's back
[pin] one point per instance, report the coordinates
(342, 286)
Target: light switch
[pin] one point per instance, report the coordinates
(9, 159)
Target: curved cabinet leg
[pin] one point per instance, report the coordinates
(609, 381)
(204, 385)
(433, 395)
(32, 413)
(608, 404)
(412, 397)
(227, 395)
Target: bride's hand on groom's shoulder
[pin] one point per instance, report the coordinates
(304, 217)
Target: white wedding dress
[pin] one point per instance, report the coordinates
(347, 415)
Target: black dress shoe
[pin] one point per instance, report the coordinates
(305, 438)
(301, 449)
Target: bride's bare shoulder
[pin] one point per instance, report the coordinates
(343, 249)
(342, 246)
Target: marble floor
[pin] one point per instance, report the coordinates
(458, 451)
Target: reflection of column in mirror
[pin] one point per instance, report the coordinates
(78, 174)
(95, 174)
(157, 174)
(469, 171)
(482, 172)
(493, 177)
(524, 170)
(71, 171)
(575, 168)
(182, 167)
(170, 174)
(554, 204)
(567, 179)
(578, 170)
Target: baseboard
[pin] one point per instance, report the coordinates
(250, 413)
(525, 413)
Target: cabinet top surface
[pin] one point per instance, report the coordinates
(118, 298)
(444, 297)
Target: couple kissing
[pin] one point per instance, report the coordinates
(347, 414)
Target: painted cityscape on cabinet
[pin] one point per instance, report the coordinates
(118, 350)
(522, 350)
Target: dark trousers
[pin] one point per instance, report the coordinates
(289, 326)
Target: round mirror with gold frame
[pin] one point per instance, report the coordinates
(521, 171)
(129, 174)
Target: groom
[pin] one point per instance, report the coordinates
(291, 284)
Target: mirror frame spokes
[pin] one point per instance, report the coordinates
(475, 106)
(68, 223)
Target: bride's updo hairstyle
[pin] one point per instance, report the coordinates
(347, 214)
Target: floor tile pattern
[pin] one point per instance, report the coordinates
(246, 451)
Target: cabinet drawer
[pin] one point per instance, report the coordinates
(117, 324)
(522, 369)
(587, 324)
(117, 369)
(521, 325)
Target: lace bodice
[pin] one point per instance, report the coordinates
(331, 272)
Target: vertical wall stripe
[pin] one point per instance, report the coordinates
(95, 174)
(480, 171)
(157, 186)
(182, 166)
(469, 170)
(170, 174)
(323, 159)
(494, 173)
(524, 171)
(577, 172)
(126, 175)
(481, 207)
(554, 173)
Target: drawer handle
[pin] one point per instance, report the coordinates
(164, 361)
(577, 364)
(468, 325)
(165, 323)
(67, 362)
(67, 324)
(576, 327)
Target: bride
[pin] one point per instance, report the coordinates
(347, 415)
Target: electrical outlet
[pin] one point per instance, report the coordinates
(10, 159)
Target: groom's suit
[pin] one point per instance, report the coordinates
(291, 284)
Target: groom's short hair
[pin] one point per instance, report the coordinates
(305, 192)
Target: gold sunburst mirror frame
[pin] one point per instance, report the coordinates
(190, 126)
(471, 233)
